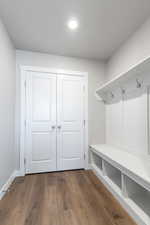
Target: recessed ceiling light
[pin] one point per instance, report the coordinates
(73, 24)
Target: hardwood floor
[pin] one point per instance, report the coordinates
(61, 198)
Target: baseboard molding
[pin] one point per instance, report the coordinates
(6, 186)
(90, 167)
(19, 173)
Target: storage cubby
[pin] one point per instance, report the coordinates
(113, 173)
(129, 184)
(96, 160)
(139, 195)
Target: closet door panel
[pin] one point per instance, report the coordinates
(41, 119)
(70, 132)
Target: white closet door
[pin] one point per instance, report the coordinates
(70, 127)
(41, 122)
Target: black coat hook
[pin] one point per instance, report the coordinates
(138, 84)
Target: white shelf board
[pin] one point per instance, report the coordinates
(138, 169)
(143, 67)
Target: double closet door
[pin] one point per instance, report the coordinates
(54, 122)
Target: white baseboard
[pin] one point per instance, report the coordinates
(19, 173)
(90, 167)
(6, 186)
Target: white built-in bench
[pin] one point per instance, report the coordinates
(126, 176)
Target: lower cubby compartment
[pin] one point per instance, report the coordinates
(96, 160)
(128, 189)
(113, 173)
(139, 196)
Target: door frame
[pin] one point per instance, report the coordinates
(23, 71)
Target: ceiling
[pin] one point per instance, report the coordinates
(40, 25)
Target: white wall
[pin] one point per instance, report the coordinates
(126, 121)
(7, 103)
(134, 50)
(126, 125)
(96, 77)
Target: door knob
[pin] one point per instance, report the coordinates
(53, 127)
(59, 127)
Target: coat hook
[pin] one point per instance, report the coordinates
(123, 91)
(104, 101)
(139, 85)
(112, 95)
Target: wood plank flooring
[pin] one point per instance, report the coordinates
(61, 198)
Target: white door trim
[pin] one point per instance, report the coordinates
(23, 70)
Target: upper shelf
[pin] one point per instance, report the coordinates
(139, 74)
